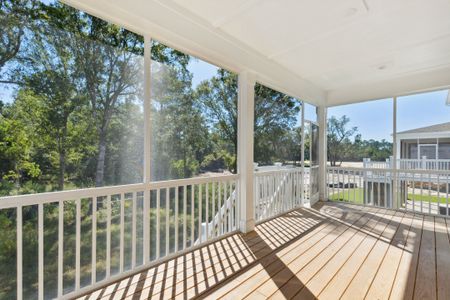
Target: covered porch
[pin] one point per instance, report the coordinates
(176, 185)
(329, 251)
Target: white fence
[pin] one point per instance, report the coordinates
(119, 229)
(409, 164)
(277, 191)
(424, 191)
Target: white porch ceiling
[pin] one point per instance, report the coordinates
(327, 52)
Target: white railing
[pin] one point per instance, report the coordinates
(409, 164)
(223, 216)
(127, 228)
(423, 191)
(277, 191)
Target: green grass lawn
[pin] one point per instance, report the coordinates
(357, 196)
(427, 198)
(348, 195)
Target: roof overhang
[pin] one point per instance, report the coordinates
(423, 135)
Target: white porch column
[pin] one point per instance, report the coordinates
(246, 110)
(147, 144)
(322, 119)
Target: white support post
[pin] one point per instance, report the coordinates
(246, 110)
(395, 203)
(147, 143)
(322, 118)
(302, 155)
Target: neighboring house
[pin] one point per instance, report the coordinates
(431, 142)
(424, 148)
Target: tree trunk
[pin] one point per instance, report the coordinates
(62, 159)
(100, 173)
(62, 169)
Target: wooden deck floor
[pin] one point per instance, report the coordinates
(330, 251)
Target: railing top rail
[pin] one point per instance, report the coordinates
(49, 197)
(415, 171)
(424, 159)
(269, 172)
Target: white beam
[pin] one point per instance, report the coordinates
(322, 120)
(398, 86)
(246, 110)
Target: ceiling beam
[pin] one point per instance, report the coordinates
(438, 79)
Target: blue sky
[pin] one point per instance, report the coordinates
(202, 70)
(374, 119)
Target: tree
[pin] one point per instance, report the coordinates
(218, 100)
(180, 135)
(275, 115)
(15, 17)
(338, 136)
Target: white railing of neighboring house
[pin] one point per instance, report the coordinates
(166, 218)
(277, 191)
(409, 164)
(423, 191)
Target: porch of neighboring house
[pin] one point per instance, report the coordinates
(329, 251)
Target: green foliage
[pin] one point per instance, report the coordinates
(344, 144)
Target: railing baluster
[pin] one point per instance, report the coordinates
(446, 194)
(333, 177)
(94, 242)
(224, 206)
(207, 212)
(184, 215)
(366, 187)
(192, 215)
(146, 226)
(438, 194)
(219, 207)
(122, 232)
(41, 250)
(133, 232)
(413, 191)
(233, 199)
(167, 207)
(429, 193)
(77, 244)
(385, 190)
(421, 192)
(378, 192)
(200, 200)
(213, 213)
(60, 247)
(108, 236)
(256, 196)
(176, 217)
(230, 225)
(19, 252)
(158, 224)
(372, 190)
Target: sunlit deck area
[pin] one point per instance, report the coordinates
(329, 251)
(246, 149)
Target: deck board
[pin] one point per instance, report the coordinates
(333, 250)
(425, 286)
